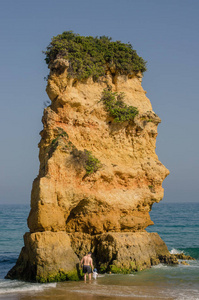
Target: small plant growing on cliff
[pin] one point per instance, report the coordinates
(92, 56)
(116, 107)
(60, 133)
(60, 136)
(90, 163)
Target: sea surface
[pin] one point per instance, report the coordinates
(178, 226)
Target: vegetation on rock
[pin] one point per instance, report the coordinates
(59, 276)
(116, 107)
(118, 268)
(61, 133)
(89, 162)
(92, 56)
(123, 269)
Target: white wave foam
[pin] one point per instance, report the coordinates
(9, 286)
(187, 297)
(175, 251)
(160, 266)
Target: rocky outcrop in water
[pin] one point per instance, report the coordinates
(97, 182)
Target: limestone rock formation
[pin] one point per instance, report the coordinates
(97, 182)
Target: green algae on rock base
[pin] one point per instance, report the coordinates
(59, 276)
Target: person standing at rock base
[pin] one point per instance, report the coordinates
(87, 264)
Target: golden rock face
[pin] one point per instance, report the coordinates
(118, 196)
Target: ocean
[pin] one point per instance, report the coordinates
(176, 223)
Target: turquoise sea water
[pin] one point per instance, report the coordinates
(178, 226)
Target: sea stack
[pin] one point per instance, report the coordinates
(99, 174)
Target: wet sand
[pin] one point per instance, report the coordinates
(158, 283)
(95, 290)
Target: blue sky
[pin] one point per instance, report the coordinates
(165, 33)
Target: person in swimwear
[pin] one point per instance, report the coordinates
(87, 263)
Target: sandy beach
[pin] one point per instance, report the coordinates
(157, 283)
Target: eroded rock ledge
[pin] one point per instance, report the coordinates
(76, 207)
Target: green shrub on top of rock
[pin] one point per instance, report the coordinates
(91, 56)
(116, 107)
